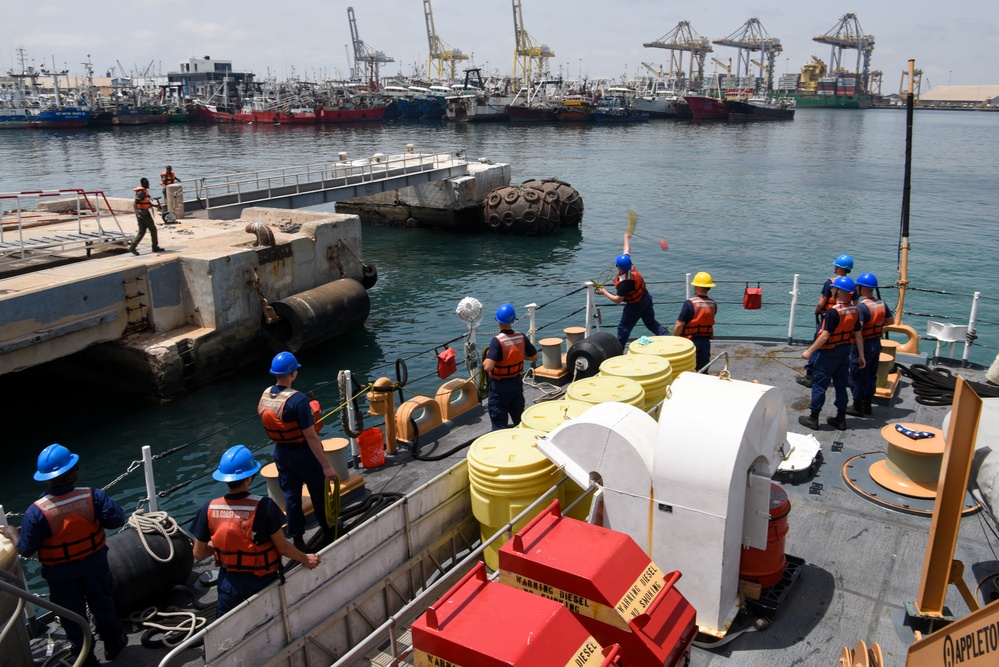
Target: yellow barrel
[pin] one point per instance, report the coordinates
(606, 388)
(885, 363)
(677, 350)
(548, 415)
(506, 473)
(890, 347)
(652, 372)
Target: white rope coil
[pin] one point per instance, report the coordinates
(154, 522)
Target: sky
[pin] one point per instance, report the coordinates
(953, 43)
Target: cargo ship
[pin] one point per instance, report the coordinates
(843, 90)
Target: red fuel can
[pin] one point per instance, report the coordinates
(609, 584)
(482, 623)
(766, 566)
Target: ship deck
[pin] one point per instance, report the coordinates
(860, 562)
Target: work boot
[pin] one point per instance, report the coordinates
(811, 421)
(132, 250)
(856, 410)
(113, 647)
(838, 422)
(867, 407)
(804, 380)
(158, 249)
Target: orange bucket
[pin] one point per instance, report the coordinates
(372, 447)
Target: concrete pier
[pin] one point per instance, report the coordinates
(170, 321)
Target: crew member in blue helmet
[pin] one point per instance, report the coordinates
(874, 315)
(838, 334)
(630, 288)
(65, 527)
(243, 531)
(505, 363)
(842, 266)
(298, 451)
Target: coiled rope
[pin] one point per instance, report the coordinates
(175, 632)
(935, 386)
(154, 522)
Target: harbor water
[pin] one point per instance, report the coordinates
(748, 203)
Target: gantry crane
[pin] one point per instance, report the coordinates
(752, 36)
(441, 55)
(366, 60)
(528, 54)
(683, 38)
(917, 83)
(846, 34)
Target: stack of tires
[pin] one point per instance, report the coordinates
(536, 208)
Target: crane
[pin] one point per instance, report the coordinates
(752, 36)
(684, 38)
(440, 53)
(366, 59)
(528, 54)
(847, 34)
(727, 66)
(655, 72)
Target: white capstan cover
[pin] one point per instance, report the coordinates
(719, 443)
(690, 489)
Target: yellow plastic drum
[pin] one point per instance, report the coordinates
(677, 350)
(605, 389)
(654, 374)
(549, 415)
(506, 473)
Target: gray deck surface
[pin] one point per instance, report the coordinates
(862, 562)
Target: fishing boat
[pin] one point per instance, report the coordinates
(213, 113)
(706, 108)
(59, 118)
(576, 109)
(13, 118)
(350, 114)
(760, 108)
(618, 115)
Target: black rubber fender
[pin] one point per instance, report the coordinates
(369, 275)
(590, 353)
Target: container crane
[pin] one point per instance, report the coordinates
(684, 38)
(441, 55)
(528, 54)
(366, 60)
(752, 36)
(847, 34)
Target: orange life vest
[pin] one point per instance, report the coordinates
(142, 200)
(636, 294)
(168, 178)
(830, 300)
(271, 408)
(702, 324)
(873, 327)
(76, 532)
(512, 363)
(843, 334)
(230, 523)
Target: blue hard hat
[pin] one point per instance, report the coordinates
(54, 461)
(237, 463)
(845, 283)
(623, 262)
(284, 363)
(505, 314)
(844, 262)
(868, 280)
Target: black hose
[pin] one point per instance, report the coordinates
(935, 386)
(414, 446)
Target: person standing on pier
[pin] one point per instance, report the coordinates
(244, 533)
(143, 206)
(839, 332)
(504, 363)
(697, 318)
(65, 527)
(298, 451)
(630, 289)
(168, 177)
(874, 315)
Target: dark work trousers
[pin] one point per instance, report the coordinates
(234, 587)
(863, 381)
(95, 590)
(702, 345)
(506, 401)
(831, 366)
(296, 466)
(642, 310)
(145, 220)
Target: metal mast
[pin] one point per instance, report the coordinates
(847, 34)
(683, 38)
(752, 36)
(441, 54)
(366, 59)
(528, 55)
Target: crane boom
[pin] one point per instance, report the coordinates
(441, 55)
(682, 39)
(752, 36)
(528, 54)
(366, 59)
(847, 34)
